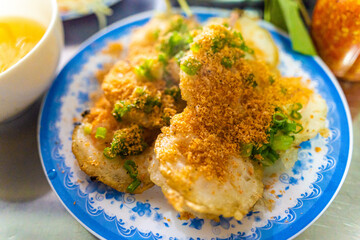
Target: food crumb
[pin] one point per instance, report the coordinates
(317, 149)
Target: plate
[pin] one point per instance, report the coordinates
(71, 14)
(301, 194)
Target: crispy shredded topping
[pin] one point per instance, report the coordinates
(228, 106)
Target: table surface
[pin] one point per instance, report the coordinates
(31, 210)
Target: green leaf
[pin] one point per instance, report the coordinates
(273, 14)
(285, 15)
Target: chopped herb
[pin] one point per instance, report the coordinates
(156, 34)
(279, 138)
(175, 43)
(163, 59)
(144, 70)
(195, 47)
(126, 142)
(179, 56)
(227, 62)
(140, 91)
(134, 185)
(226, 25)
(283, 90)
(87, 128)
(250, 80)
(166, 119)
(100, 133)
(295, 115)
(174, 92)
(149, 104)
(121, 108)
(108, 154)
(178, 26)
(271, 80)
(282, 142)
(190, 66)
(295, 111)
(131, 168)
(297, 107)
(279, 118)
(218, 43)
(246, 150)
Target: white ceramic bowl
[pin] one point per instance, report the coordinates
(24, 82)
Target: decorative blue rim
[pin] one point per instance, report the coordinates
(69, 15)
(50, 112)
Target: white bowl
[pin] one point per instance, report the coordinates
(24, 82)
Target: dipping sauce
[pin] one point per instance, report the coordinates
(17, 37)
(336, 33)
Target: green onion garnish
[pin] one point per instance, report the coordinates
(289, 126)
(108, 153)
(250, 80)
(131, 168)
(144, 70)
(298, 125)
(281, 136)
(246, 150)
(139, 91)
(190, 66)
(297, 107)
(121, 109)
(87, 128)
(279, 118)
(227, 62)
(282, 142)
(100, 133)
(295, 115)
(174, 92)
(195, 47)
(134, 185)
(163, 59)
(271, 80)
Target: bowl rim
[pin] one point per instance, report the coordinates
(54, 17)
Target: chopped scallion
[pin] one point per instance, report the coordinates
(279, 118)
(190, 66)
(295, 115)
(134, 185)
(282, 142)
(227, 62)
(87, 128)
(100, 133)
(131, 168)
(144, 70)
(108, 153)
(246, 150)
(195, 47)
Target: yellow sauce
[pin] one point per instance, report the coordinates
(17, 37)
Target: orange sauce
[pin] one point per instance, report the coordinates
(336, 33)
(17, 37)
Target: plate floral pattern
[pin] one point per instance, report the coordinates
(299, 195)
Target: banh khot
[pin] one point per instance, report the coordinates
(199, 110)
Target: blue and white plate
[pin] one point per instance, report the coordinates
(72, 14)
(300, 194)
